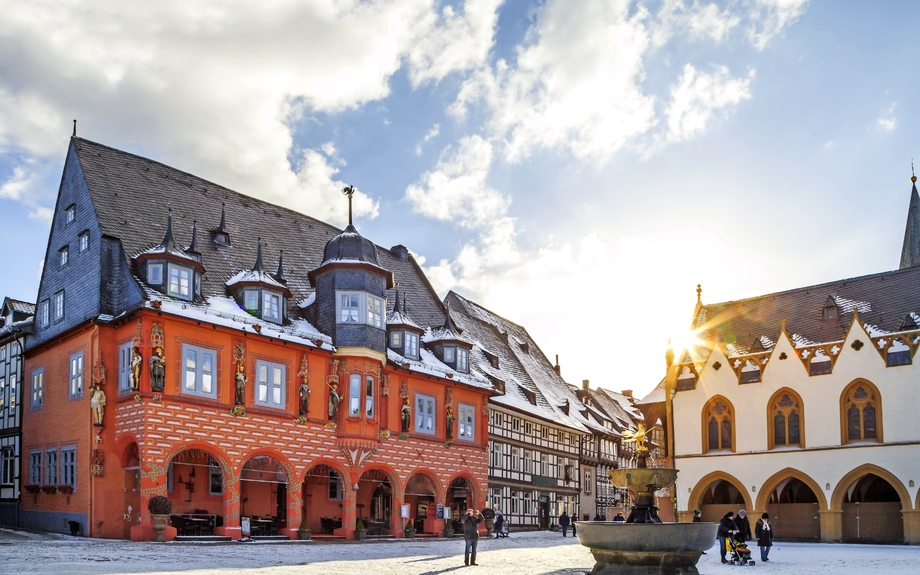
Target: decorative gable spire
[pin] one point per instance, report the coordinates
(168, 243)
(910, 250)
(279, 275)
(221, 235)
(192, 249)
(258, 267)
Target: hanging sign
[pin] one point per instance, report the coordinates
(440, 512)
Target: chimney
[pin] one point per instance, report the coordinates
(584, 384)
(627, 393)
(557, 366)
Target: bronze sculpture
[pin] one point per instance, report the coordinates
(240, 396)
(450, 422)
(157, 371)
(333, 401)
(406, 416)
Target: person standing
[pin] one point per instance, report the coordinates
(727, 528)
(743, 525)
(697, 516)
(764, 533)
(499, 523)
(564, 523)
(471, 535)
(619, 518)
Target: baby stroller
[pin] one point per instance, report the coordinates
(740, 554)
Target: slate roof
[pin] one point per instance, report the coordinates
(883, 300)
(21, 306)
(131, 195)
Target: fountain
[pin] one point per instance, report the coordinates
(643, 545)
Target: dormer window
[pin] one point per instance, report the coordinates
(830, 308)
(358, 307)
(180, 282)
(396, 339)
(271, 306)
(411, 348)
(70, 214)
(449, 351)
(155, 274)
(463, 360)
(251, 301)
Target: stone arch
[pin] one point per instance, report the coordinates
(879, 413)
(801, 413)
(333, 464)
(696, 495)
(865, 469)
(222, 459)
(122, 445)
(770, 484)
(399, 488)
(277, 456)
(440, 492)
(478, 495)
(704, 422)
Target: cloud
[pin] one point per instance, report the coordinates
(887, 124)
(19, 184)
(697, 96)
(770, 17)
(215, 88)
(432, 133)
(706, 21)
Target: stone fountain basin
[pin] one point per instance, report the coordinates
(654, 538)
(639, 480)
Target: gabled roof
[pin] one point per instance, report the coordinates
(131, 194)
(910, 250)
(19, 306)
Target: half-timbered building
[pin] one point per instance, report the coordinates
(15, 325)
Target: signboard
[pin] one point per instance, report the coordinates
(404, 511)
(245, 525)
(440, 512)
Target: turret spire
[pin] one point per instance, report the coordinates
(169, 243)
(258, 267)
(191, 249)
(910, 250)
(279, 275)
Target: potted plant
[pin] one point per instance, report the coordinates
(49, 489)
(360, 530)
(159, 508)
(303, 532)
(409, 531)
(448, 529)
(32, 488)
(489, 515)
(66, 489)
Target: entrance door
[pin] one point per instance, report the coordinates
(544, 513)
(281, 512)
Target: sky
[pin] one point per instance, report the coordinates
(575, 166)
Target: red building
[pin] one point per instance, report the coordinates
(166, 360)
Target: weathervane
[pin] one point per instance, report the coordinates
(349, 191)
(913, 176)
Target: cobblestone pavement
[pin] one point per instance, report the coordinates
(539, 553)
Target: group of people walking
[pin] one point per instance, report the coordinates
(738, 527)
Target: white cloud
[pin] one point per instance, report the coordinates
(432, 133)
(887, 124)
(19, 184)
(770, 17)
(213, 88)
(322, 194)
(697, 96)
(42, 214)
(706, 21)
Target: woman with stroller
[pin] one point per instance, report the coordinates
(727, 528)
(764, 534)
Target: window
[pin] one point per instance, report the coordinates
(64, 256)
(449, 353)
(251, 300)
(70, 214)
(587, 485)
(544, 465)
(180, 282)
(8, 470)
(199, 371)
(861, 407)
(396, 339)
(898, 353)
(51, 467)
(467, 429)
(13, 394)
(35, 468)
(717, 425)
(69, 466)
(463, 360)
(84, 241)
(215, 478)
(59, 306)
(354, 395)
(369, 396)
(528, 461)
(271, 307)
(786, 418)
(76, 376)
(496, 456)
(359, 307)
(270, 379)
(124, 367)
(335, 486)
(516, 458)
(411, 348)
(155, 274)
(43, 314)
(424, 414)
(38, 388)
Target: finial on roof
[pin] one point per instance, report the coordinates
(191, 247)
(349, 191)
(75, 134)
(913, 176)
(699, 292)
(223, 218)
(221, 236)
(449, 322)
(258, 267)
(279, 275)
(169, 243)
(396, 303)
(910, 249)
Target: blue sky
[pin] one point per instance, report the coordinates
(575, 166)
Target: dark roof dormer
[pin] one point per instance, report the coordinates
(830, 310)
(259, 292)
(448, 344)
(170, 270)
(404, 334)
(221, 236)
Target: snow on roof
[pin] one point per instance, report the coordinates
(160, 249)
(431, 365)
(254, 276)
(847, 305)
(397, 318)
(655, 396)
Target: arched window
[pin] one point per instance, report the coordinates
(785, 420)
(718, 424)
(861, 413)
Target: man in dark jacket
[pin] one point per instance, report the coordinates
(564, 522)
(727, 528)
(743, 525)
(471, 522)
(697, 516)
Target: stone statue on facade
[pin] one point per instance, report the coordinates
(304, 398)
(449, 417)
(137, 360)
(406, 416)
(240, 395)
(334, 400)
(157, 371)
(97, 405)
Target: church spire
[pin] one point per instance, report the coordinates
(910, 251)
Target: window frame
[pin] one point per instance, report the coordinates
(425, 422)
(58, 314)
(200, 353)
(874, 397)
(466, 425)
(396, 339)
(68, 467)
(269, 386)
(177, 293)
(268, 297)
(7, 465)
(251, 296)
(44, 313)
(354, 395)
(335, 489)
(410, 346)
(463, 359)
(36, 466)
(124, 367)
(215, 472)
(70, 214)
(83, 241)
(774, 409)
(729, 415)
(76, 376)
(370, 393)
(37, 390)
(52, 474)
(150, 273)
(368, 311)
(64, 256)
(452, 349)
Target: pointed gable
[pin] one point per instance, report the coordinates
(910, 250)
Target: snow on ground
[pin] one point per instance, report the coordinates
(539, 553)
